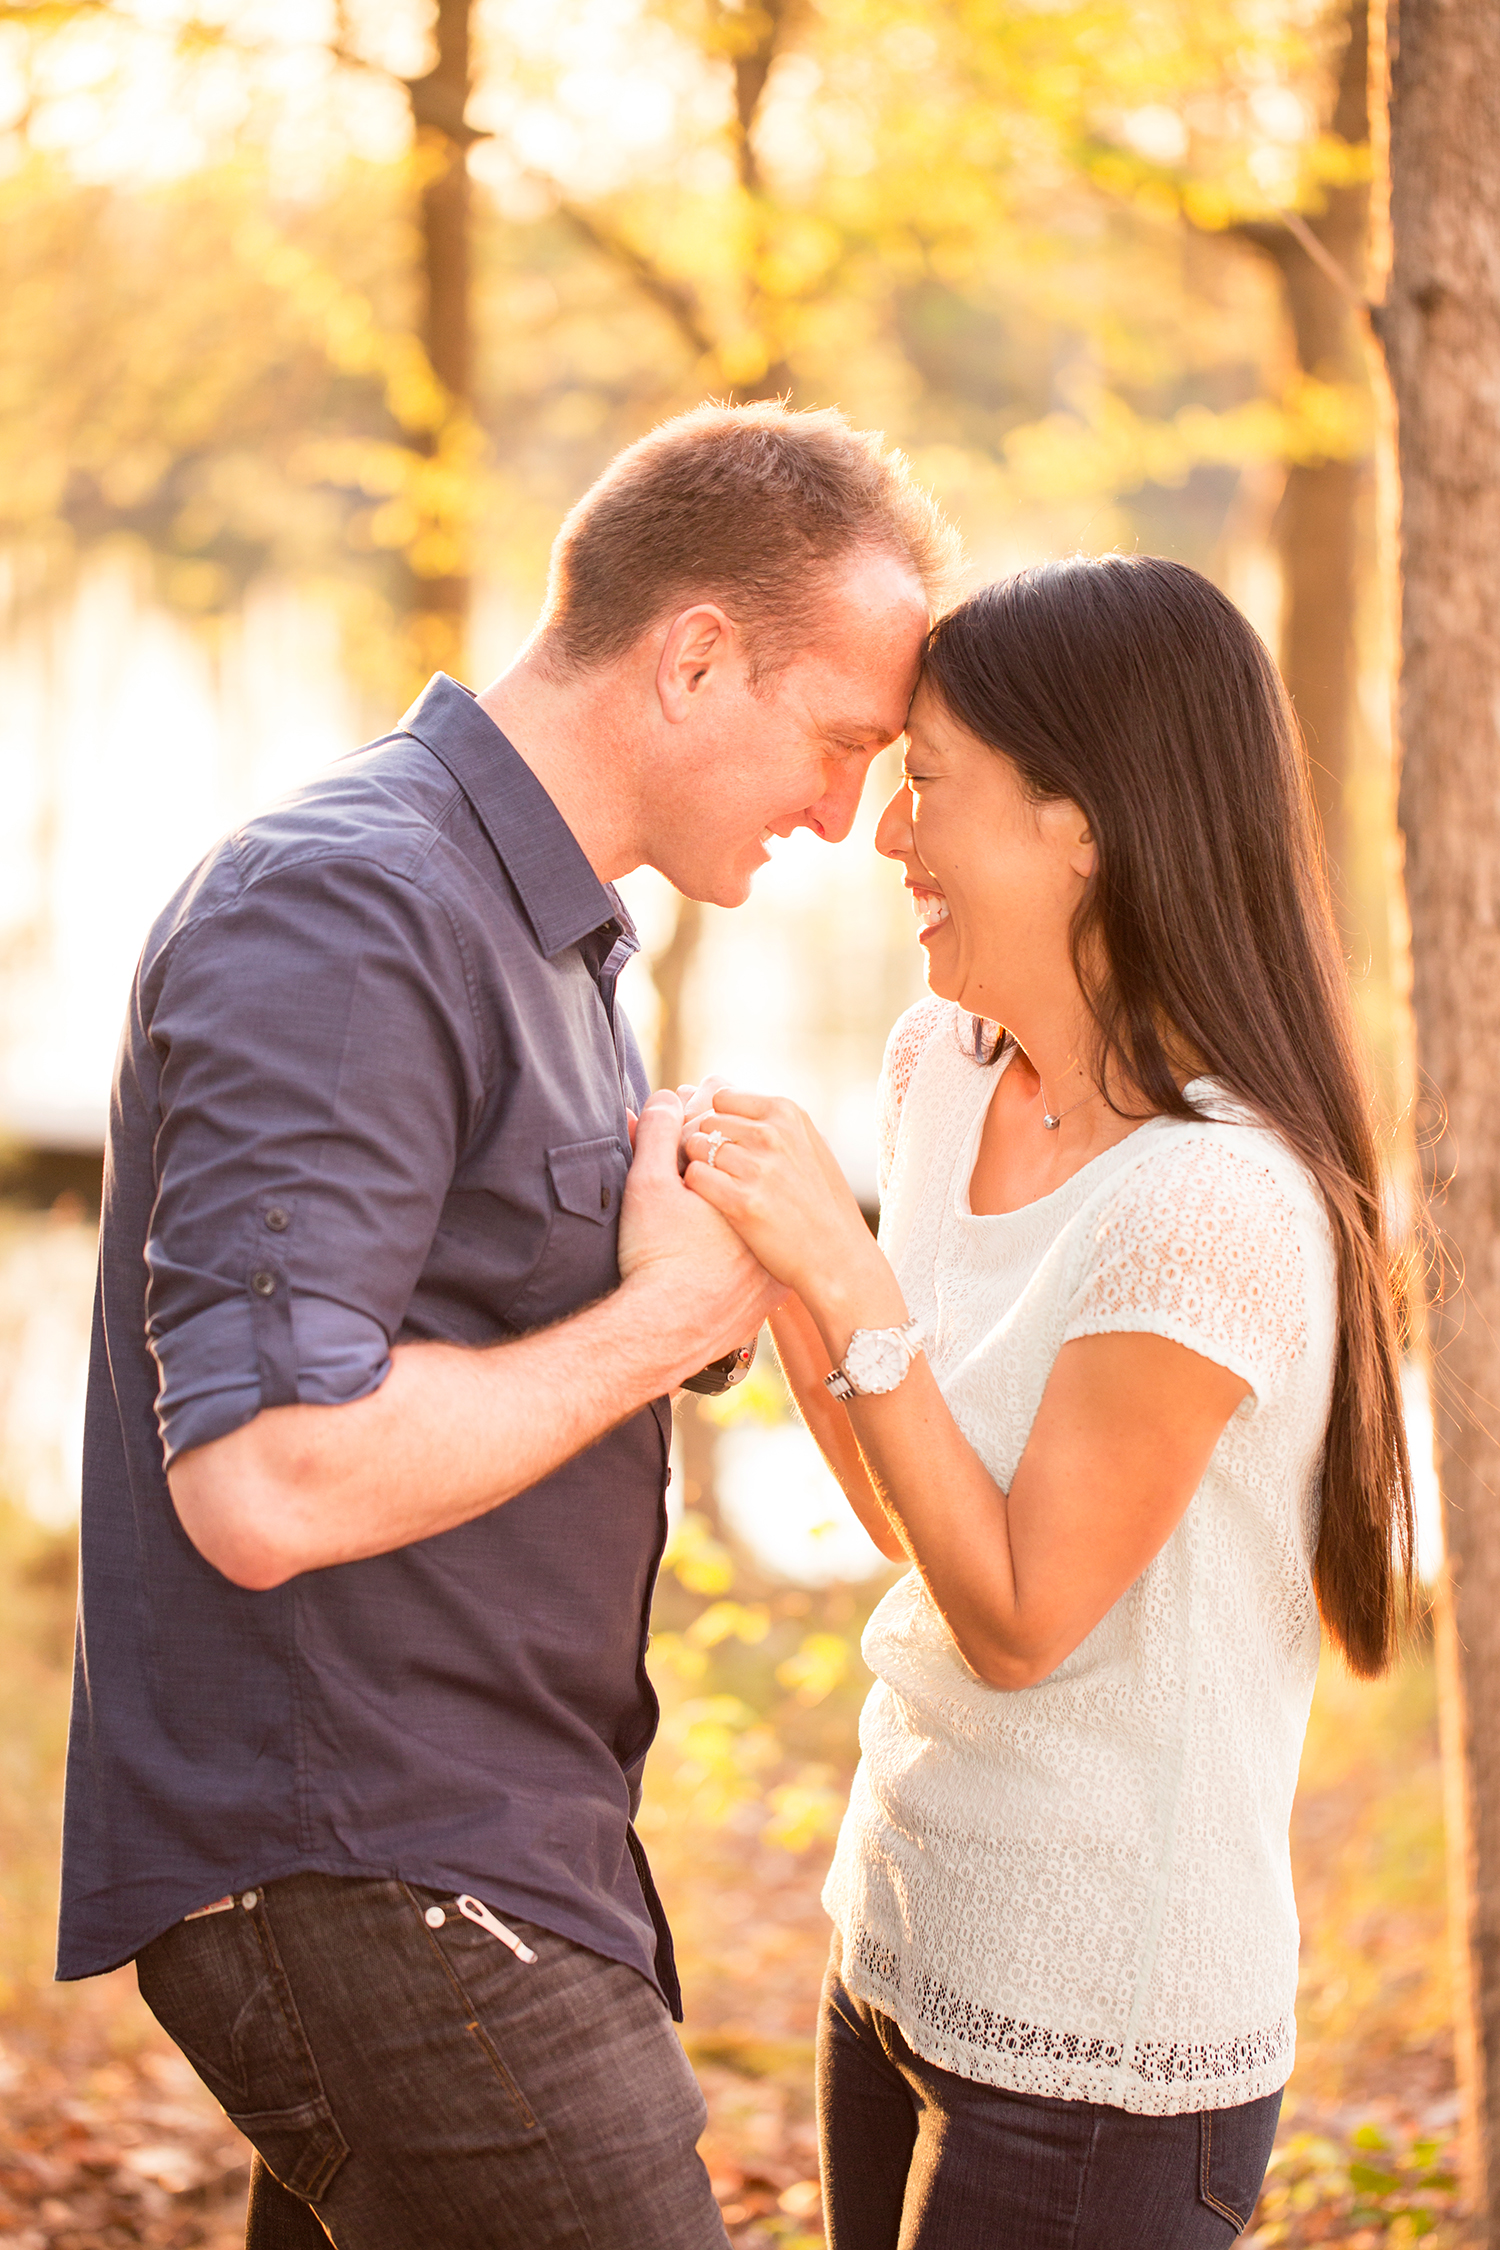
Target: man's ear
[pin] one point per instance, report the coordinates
(698, 642)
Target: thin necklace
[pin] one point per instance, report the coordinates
(1051, 1123)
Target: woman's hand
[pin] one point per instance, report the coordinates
(776, 1181)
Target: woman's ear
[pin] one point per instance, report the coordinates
(1071, 836)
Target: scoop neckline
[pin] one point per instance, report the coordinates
(969, 1155)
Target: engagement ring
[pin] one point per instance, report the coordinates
(715, 1143)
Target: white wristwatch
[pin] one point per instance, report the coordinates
(876, 1361)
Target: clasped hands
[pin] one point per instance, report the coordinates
(776, 1181)
(775, 1219)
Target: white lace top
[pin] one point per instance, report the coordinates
(1083, 1888)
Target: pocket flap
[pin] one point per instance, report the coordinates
(587, 1177)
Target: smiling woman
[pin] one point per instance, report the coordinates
(1120, 1381)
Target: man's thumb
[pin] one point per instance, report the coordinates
(657, 1132)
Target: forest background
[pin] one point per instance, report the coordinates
(314, 322)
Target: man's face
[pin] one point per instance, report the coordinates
(746, 766)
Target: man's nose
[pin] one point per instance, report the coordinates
(833, 814)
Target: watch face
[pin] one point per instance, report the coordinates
(876, 1361)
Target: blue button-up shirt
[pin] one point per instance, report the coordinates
(372, 1087)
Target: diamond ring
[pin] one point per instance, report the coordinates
(715, 1143)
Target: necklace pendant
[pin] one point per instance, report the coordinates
(1049, 1124)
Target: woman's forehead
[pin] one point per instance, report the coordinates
(931, 723)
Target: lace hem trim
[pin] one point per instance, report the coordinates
(1158, 2062)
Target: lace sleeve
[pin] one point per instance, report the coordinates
(903, 1049)
(1201, 1246)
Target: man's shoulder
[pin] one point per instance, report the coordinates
(384, 803)
(373, 816)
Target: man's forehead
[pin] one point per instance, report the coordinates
(874, 590)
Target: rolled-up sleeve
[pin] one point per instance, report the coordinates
(320, 1065)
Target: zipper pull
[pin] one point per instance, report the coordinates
(491, 1922)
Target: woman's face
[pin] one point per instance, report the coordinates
(995, 878)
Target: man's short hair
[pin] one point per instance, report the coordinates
(753, 507)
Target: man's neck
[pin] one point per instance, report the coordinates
(570, 734)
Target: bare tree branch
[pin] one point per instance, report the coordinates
(674, 298)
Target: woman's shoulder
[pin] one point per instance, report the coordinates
(934, 1029)
(913, 1032)
(1229, 1150)
(1224, 1183)
(1214, 1232)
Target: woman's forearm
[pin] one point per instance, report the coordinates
(946, 1510)
(805, 1362)
(915, 1471)
(1120, 1442)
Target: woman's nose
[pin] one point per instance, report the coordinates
(893, 834)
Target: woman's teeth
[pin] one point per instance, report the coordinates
(931, 908)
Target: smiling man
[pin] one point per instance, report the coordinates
(374, 1486)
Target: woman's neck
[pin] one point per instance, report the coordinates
(1039, 1129)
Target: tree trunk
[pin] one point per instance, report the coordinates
(670, 966)
(1320, 523)
(439, 606)
(752, 68)
(1318, 533)
(1440, 326)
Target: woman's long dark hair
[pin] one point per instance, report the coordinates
(1131, 686)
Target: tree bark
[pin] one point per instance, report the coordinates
(670, 967)
(1440, 326)
(752, 67)
(1319, 527)
(439, 606)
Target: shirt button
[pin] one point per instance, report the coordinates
(263, 1283)
(277, 1220)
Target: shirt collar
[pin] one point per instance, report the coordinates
(563, 897)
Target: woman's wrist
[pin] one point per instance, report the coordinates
(855, 1294)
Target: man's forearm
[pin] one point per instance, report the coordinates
(449, 1434)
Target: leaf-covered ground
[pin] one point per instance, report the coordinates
(107, 2138)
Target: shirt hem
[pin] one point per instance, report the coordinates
(1112, 2085)
(76, 1963)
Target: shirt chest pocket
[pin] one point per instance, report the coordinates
(578, 1263)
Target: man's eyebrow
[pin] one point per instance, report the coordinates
(870, 730)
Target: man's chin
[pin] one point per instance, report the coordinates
(720, 886)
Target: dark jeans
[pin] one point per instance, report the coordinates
(917, 2158)
(406, 2081)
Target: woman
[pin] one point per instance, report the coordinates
(1121, 1383)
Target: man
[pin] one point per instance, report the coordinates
(377, 1435)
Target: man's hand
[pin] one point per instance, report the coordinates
(452, 1432)
(679, 1260)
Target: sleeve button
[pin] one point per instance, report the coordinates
(263, 1283)
(277, 1219)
